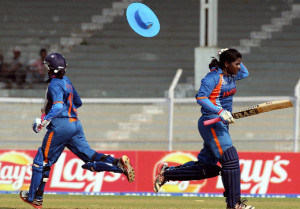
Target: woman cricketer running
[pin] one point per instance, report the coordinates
(215, 97)
(64, 130)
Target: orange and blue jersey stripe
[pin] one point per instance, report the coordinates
(212, 102)
(217, 141)
(47, 148)
(215, 94)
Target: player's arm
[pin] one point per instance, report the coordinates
(56, 93)
(243, 72)
(207, 85)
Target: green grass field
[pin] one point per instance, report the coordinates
(124, 202)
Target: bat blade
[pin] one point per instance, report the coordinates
(263, 107)
(256, 109)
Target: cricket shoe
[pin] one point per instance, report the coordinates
(35, 203)
(160, 179)
(127, 168)
(242, 205)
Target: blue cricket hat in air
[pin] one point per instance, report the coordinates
(142, 20)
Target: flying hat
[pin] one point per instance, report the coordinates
(142, 20)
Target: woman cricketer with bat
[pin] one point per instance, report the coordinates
(64, 130)
(215, 97)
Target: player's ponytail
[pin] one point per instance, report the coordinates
(214, 63)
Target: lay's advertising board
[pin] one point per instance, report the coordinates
(261, 174)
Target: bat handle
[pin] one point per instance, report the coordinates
(211, 121)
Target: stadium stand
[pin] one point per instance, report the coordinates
(123, 64)
(34, 24)
(270, 56)
(116, 62)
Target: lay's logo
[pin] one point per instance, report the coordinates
(15, 171)
(176, 159)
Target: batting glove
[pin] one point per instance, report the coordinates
(226, 117)
(38, 124)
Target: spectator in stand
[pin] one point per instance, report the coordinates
(14, 69)
(35, 70)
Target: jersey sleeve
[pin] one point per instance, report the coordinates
(76, 98)
(243, 73)
(208, 84)
(56, 94)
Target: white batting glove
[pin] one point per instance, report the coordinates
(226, 117)
(38, 124)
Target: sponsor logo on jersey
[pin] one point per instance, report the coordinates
(229, 93)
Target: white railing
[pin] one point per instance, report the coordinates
(171, 107)
(170, 101)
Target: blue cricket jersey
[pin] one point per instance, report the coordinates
(63, 99)
(216, 91)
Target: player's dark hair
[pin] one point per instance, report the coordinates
(43, 50)
(60, 74)
(229, 55)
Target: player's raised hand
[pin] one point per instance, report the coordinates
(226, 117)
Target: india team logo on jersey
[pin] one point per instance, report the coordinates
(176, 159)
(15, 171)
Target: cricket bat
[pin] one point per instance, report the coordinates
(256, 109)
